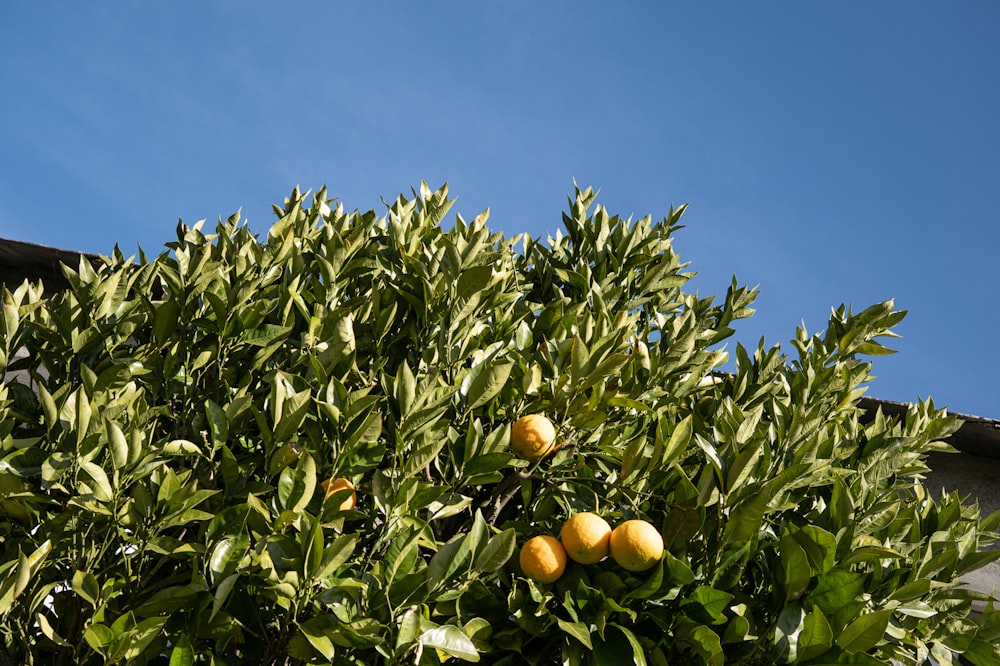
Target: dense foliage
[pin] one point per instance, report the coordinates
(166, 424)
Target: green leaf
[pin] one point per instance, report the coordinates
(487, 463)
(497, 551)
(711, 601)
(226, 556)
(452, 641)
(222, 592)
(638, 653)
(982, 653)
(181, 447)
(86, 586)
(577, 630)
(816, 636)
(406, 388)
(472, 281)
(678, 571)
(456, 553)
(99, 637)
(616, 644)
(703, 642)
(267, 335)
(366, 432)
(425, 452)
(409, 629)
(311, 544)
(835, 590)
(117, 443)
(83, 414)
(49, 408)
(170, 599)
(297, 485)
(138, 639)
(335, 555)
(579, 359)
(165, 320)
(679, 440)
(99, 484)
(217, 421)
(787, 630)
(864, 632)
(183, 652)
(488, 383)
(819, 545)
(795, 570)
(293, 413)
(318, 631)
(651, 585)
(50, 633)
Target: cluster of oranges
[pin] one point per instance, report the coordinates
(585, 537)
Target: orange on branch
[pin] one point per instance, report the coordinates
(636, 545)
(532, 437)
(586, 537)
(543, 559)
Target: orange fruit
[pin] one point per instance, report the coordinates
(532, 437)
(586, 537)
(636, 545)
(340, 483)
(543, 559)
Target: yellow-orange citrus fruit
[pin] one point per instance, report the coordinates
(340, 483)
(532, 437)
(586, 537)
(543, 559)
(636, 545)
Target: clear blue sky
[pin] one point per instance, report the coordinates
(830, 152)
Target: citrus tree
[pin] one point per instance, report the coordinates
(298, 449)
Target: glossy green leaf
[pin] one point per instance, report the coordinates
(182, 653)
(97, 479)
(165, 320)
(181, 447)
(816, 636)
(452, 641)
(795, 570)
(577, 630)
(87, 587)
(496, 552)
(318, 631)
(488, 384)
(226, 556)
(335, 555)
(297, 485)
(864, 632)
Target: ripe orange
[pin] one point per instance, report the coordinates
(340, 483)
(636, 545)
(586, 537)
(543, 559)
(532, 437)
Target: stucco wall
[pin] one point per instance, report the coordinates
(978, 479)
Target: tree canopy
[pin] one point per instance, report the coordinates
(167, 431)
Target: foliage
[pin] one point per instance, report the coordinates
(165, 435)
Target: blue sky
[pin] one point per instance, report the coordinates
(829, 152)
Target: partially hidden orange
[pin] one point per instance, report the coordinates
(331, 486)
